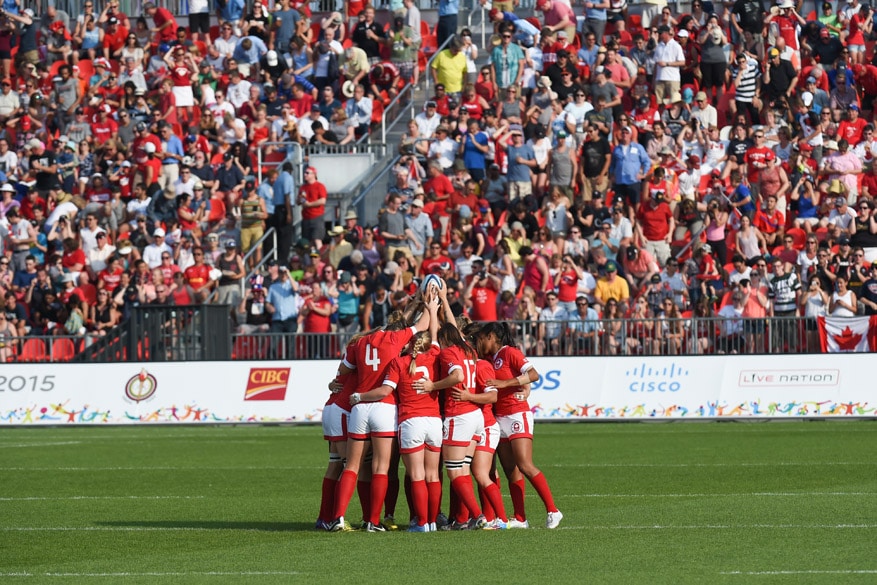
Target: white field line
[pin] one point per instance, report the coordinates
(722, 527)
(604, 527)
(719, 465)
(810, 572)
(157, 574)
(748, 494)
(169, 468)
(52, 444)
(75, 498)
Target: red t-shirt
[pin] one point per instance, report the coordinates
(110, 279)
(103, 130)
(71, 259)
(302, 106)
(852, 131)
(755, 161)
(483, 303)
(655, 221)
(312, 192)
(163, 16)
(198, 276)
(428, 263)
(567, 291)
(769, 223)
(315, 322)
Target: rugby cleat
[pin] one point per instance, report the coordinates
(515, 523)
(369, 527)
(553, 520)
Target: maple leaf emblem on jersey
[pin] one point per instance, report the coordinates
(847, 340)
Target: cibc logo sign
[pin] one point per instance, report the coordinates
(267, 384)
(644, 378)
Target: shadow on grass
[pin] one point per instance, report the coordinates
(171, 525)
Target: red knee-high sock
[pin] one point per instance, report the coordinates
(463, 486)
(409, 497)
(435, 499)
(343, 493)
(454, 504)
(379, 492)
(391, 497)
(517, 489)
(364, 490)
(486, 508)
(327, 501)
(420, 498)
(541, 484)
(494, 496)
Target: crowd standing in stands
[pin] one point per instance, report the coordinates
(602, 164)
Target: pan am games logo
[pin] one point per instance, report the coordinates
(141, 387)
(267, 384)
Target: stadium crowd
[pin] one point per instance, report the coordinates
(602, 165)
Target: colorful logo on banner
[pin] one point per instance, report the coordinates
(792, 378)
(141, 387)
(267, 384)
(645, 378)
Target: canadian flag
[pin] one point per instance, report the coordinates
(848, 334)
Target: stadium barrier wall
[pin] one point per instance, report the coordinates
(571, 388)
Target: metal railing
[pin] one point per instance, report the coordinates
(269, 235)
(369, 200)
(291, 148)
(183, 334)
(402, 103)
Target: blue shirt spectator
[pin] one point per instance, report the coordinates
(283, 298)
(630, 162)
(232, 11)
(174, 146)
(518, 171)
(284, 187)
(266, 192)
(251, 55)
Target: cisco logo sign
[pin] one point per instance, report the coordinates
(644, 378)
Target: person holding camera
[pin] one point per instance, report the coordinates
(482, 290)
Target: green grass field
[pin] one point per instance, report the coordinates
(785, 502)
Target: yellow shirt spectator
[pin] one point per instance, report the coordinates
(449, 69)
(611, 286)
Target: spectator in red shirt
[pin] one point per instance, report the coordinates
(316, 313)
(104, 128)
(312, 198)
(198, 275)
(771, 222)
(852, 128)
(114, 38)
(433, 258)
(165, 24)
(755, 159)
(301, 101)
(655, 226)
(481, 293)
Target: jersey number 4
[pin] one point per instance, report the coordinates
(371, 357)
